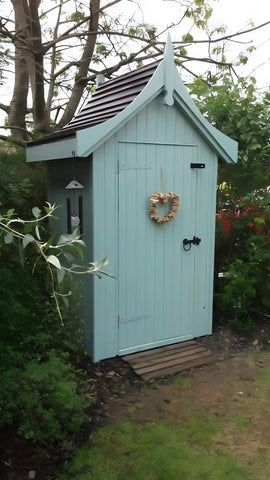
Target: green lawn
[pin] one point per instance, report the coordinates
(202, 446)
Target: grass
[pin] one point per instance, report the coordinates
(242, 421)
(182, 380)
(263, 381)
(199, 444)
(156, 452)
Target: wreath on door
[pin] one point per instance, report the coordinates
(164, 198)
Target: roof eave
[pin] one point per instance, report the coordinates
(225, 147)
(51, 150)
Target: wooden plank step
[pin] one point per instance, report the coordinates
(165, 356)
(153, 351)
(159, 352)
(178, 368)
(171, 363)
(169, 359)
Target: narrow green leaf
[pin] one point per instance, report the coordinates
(37, 232)
(27, 239)
(54, 261)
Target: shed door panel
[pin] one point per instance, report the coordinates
(156, 276)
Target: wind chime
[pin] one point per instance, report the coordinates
(74, 215)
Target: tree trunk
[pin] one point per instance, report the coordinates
(18, 105)
(81, 81)
(40, 114)
(29, 54)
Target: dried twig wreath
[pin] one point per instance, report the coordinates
(163, 198)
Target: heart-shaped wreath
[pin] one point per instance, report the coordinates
(163, 198)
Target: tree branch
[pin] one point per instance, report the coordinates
(226, 37)
(17, 128)
(53, 62)
(13, 140)
(109, 5)
(6, 108)
(85, 60)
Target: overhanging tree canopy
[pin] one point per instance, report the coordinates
(55, 50)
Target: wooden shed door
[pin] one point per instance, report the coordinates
(156, 275)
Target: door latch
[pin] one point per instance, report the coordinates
(187, 243)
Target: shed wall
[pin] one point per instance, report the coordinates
(155, 123)
(60, 173)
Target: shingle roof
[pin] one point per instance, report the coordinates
(110, 98)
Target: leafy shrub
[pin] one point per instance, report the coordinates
(40, 397)
(42, 394)
(243, 196)
(21, 185)
(238, 295)
(243, 246)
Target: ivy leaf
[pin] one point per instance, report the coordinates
(27, 239)
(54, 261)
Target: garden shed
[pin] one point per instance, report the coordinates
(136, 170)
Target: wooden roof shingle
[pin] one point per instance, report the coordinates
(111, 97)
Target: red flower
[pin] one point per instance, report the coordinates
(227, 225)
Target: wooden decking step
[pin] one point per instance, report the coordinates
(169, 359)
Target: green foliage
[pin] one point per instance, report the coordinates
(238, 295)
(243, 197)
(41, 399)
(237, 111)
(40, 394)
(59, 258)
(242, 248)
(21, 185)
(200, 11)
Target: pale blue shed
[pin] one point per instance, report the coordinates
(140, 137)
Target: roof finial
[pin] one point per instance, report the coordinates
(169, 72)
(168, 52)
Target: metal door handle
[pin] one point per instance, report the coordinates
(194, 241)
